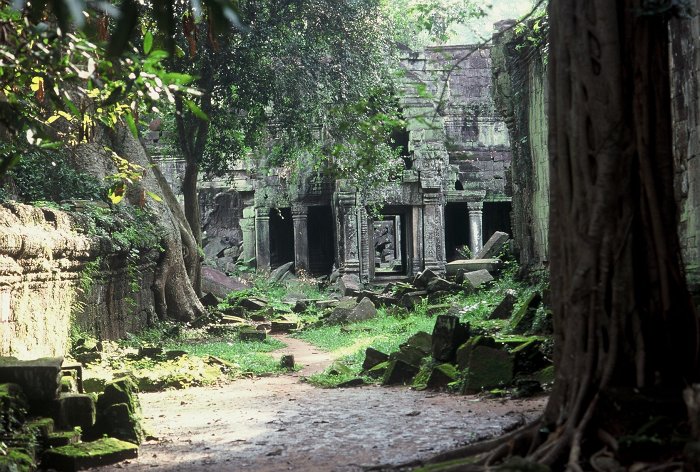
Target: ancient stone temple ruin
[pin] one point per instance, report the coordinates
(452, 194)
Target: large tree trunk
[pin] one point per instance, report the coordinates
(626, 330)
(174, 294)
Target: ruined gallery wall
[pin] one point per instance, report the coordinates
(685, 99)
(520, 93)
(44, 260)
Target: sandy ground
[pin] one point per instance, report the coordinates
(280, 423)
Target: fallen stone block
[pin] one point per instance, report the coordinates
(408, 354)
(424, 278)
(362, 311)
(252, 304)
(484, 366)
(118, 412)
(399, 372)
(471, 265)
(528, 357)
(448, 334)
(278, 274)
(209, 300)
(39, 380)
(373, 357)
(433, 310)
(440, 285)
(441, 376)
(494, 246)
(477, 278)
(283, 326)
(63, 438)
(251, 335)
(505, 307)
(349, 285)
(219, 284)
(75, 409)
(80, 456)
(524, 317)
(378, 370)
(411, 299)
(421, 341)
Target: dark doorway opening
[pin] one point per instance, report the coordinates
(496, 217)
(321, 237)
(456, 231)
(389, 237)
(281, 237)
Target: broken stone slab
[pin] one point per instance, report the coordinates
(441, 376)
(278, 274)
(464, 351)
(408, 354)
(209, 300)
(362, 311)
(215, 249)
(118, 412)
(373, 357)
(75, 409)
(424, 278)
(322, 304)
(63, 438)
(528, 358)
(471, 265)
(252, 303)
(493, 247)
(349, 285)
(505, 307)
(251, 335)
(378, 370)
(421, 341)
(411, 299)
(399, 372)
(233, 320)
(477, 278)
(377, 299)
(440, 308)
(219, 284)
(485, 364)
(524, 317)
(439, 284)
(41, 427)
(448, 334)
(39, 379)
(283, 326)
(81, 456)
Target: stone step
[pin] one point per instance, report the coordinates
(63, 438)
(80, 456)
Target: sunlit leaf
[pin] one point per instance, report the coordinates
(154, 196)
(147, 42)
(196, 111)
(131, 124)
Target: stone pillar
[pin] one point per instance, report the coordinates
(433, 232)
(262, 238)
(476, 240)
(300, 219)
(248, 230)
(348, 231)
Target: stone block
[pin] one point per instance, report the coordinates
(471, 265)
(373, 358)
(421, 341)
(218, 283)
(408, 354)
(410, 299)
(118, 412)
(399, 372)
(81, 456)
(283, 326)
(505, 307)
(422, 279)
(362, 311)
(485, 368)
(349, 285)
(477, 278)
(251, 335)
(252, 304)
(63, 438)
(448, 334)
(209, 300)
(439, 285)
(39, 380)
(75, 409)
(524, 317)
(441, 376)
(494, 246)
(378, 370)
(528, 358)
(279, 274)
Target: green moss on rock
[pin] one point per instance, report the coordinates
(17, 460)
(91, 454)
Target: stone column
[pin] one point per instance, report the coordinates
(476, 241)
(300, 219)
(262, 238)
(348, 231)
(433, 232)
(248, 230)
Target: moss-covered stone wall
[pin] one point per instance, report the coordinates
(520, 94)
(54, 274)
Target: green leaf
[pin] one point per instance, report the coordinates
(154, 196)
(147, 42)
(196, 111)
(131, 124)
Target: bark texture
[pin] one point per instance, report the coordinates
(626, 330)
(174, 295)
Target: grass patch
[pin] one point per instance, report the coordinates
(250, 357)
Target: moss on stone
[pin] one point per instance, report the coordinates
(90, 454)
(17, 460)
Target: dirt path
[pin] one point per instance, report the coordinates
(280, 423)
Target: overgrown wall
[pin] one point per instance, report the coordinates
(44, 261)
(520, 93)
